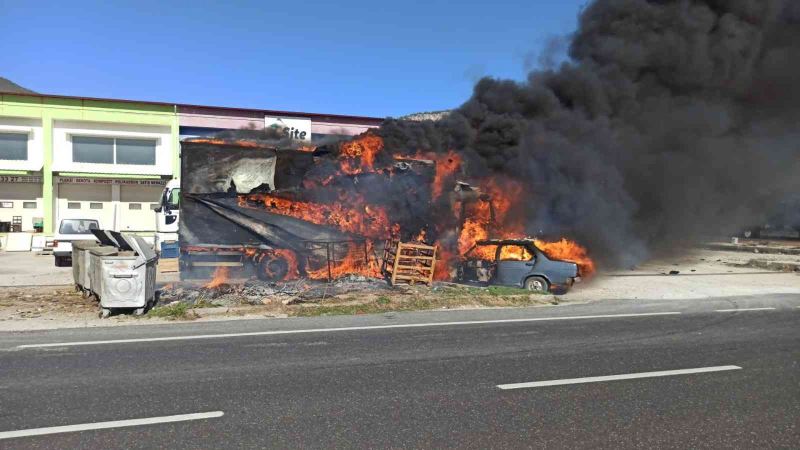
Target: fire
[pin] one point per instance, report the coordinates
(238, 143)
(568, 251)
(220, 278)
(493, 210)
(350, 214)
(358, 156)
(489, 217)
(357, 260)
(291, 259)
(446, 167)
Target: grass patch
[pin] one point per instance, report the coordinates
(172, 312)
(500, 291)
(445, 298)
(205, 304)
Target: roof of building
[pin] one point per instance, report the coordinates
(221, 109)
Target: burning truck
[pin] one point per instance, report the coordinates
(324, 212)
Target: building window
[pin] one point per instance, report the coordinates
(29, 205)
(74, 205)
(100, 150)
(14, 146)
(6, 204)
(136, 206)
(154, 206)
(95, 205)
(95, 150)
(136, 151)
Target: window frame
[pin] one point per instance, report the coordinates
(27, 134)
(155, 140)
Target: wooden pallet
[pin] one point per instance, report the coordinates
(410, 263)
(168, 265)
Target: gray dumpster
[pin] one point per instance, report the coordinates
(126, 279)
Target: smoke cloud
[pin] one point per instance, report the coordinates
(672, 120)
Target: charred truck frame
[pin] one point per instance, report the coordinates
(283, 213)
(218, 227)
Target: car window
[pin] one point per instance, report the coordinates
(78, 226)
(515, 253)
(482, 252)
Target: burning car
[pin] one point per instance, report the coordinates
(515, 263)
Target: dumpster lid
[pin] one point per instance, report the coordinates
(122, 243)
(143, 248)
(103, 237)
(103, 251)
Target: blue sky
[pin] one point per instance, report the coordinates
(362, 58)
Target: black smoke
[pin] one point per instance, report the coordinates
(671, 121)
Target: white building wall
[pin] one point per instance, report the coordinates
(62, 147)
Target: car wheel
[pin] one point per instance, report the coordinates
(537, 284)
(272, 269)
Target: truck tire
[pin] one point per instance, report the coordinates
(272, 269)
(537, 284)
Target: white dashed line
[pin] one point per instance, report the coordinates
(630, 376)
(105, 425)
(743, 309)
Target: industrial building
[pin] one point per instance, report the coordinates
(76, 157)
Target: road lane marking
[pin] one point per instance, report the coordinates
(324, 330)
(111, 424)
(744, 309)
(630, 376)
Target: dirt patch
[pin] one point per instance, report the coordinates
(46, 303)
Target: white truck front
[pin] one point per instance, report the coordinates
(167, 214)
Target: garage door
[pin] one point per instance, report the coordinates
(22, 200)
(86, 201)
(134, 207)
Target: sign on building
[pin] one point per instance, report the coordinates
(79, 180)
(19, 179)
(297, 129)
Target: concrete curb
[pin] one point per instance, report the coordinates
(753, 248)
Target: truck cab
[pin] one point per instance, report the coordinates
(167, 214)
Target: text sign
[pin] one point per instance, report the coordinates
(296, 129)
(78, 180)
(17, 179)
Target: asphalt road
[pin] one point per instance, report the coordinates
(416, 380)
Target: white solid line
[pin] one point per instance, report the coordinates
(112, 424)
(630, 376)
(743, 309)
(323, 330)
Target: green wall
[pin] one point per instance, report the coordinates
(48, 109)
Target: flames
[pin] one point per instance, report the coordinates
(493, 210)
(220, 278)
(358, 156)
(350, 214)
(569, 251)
